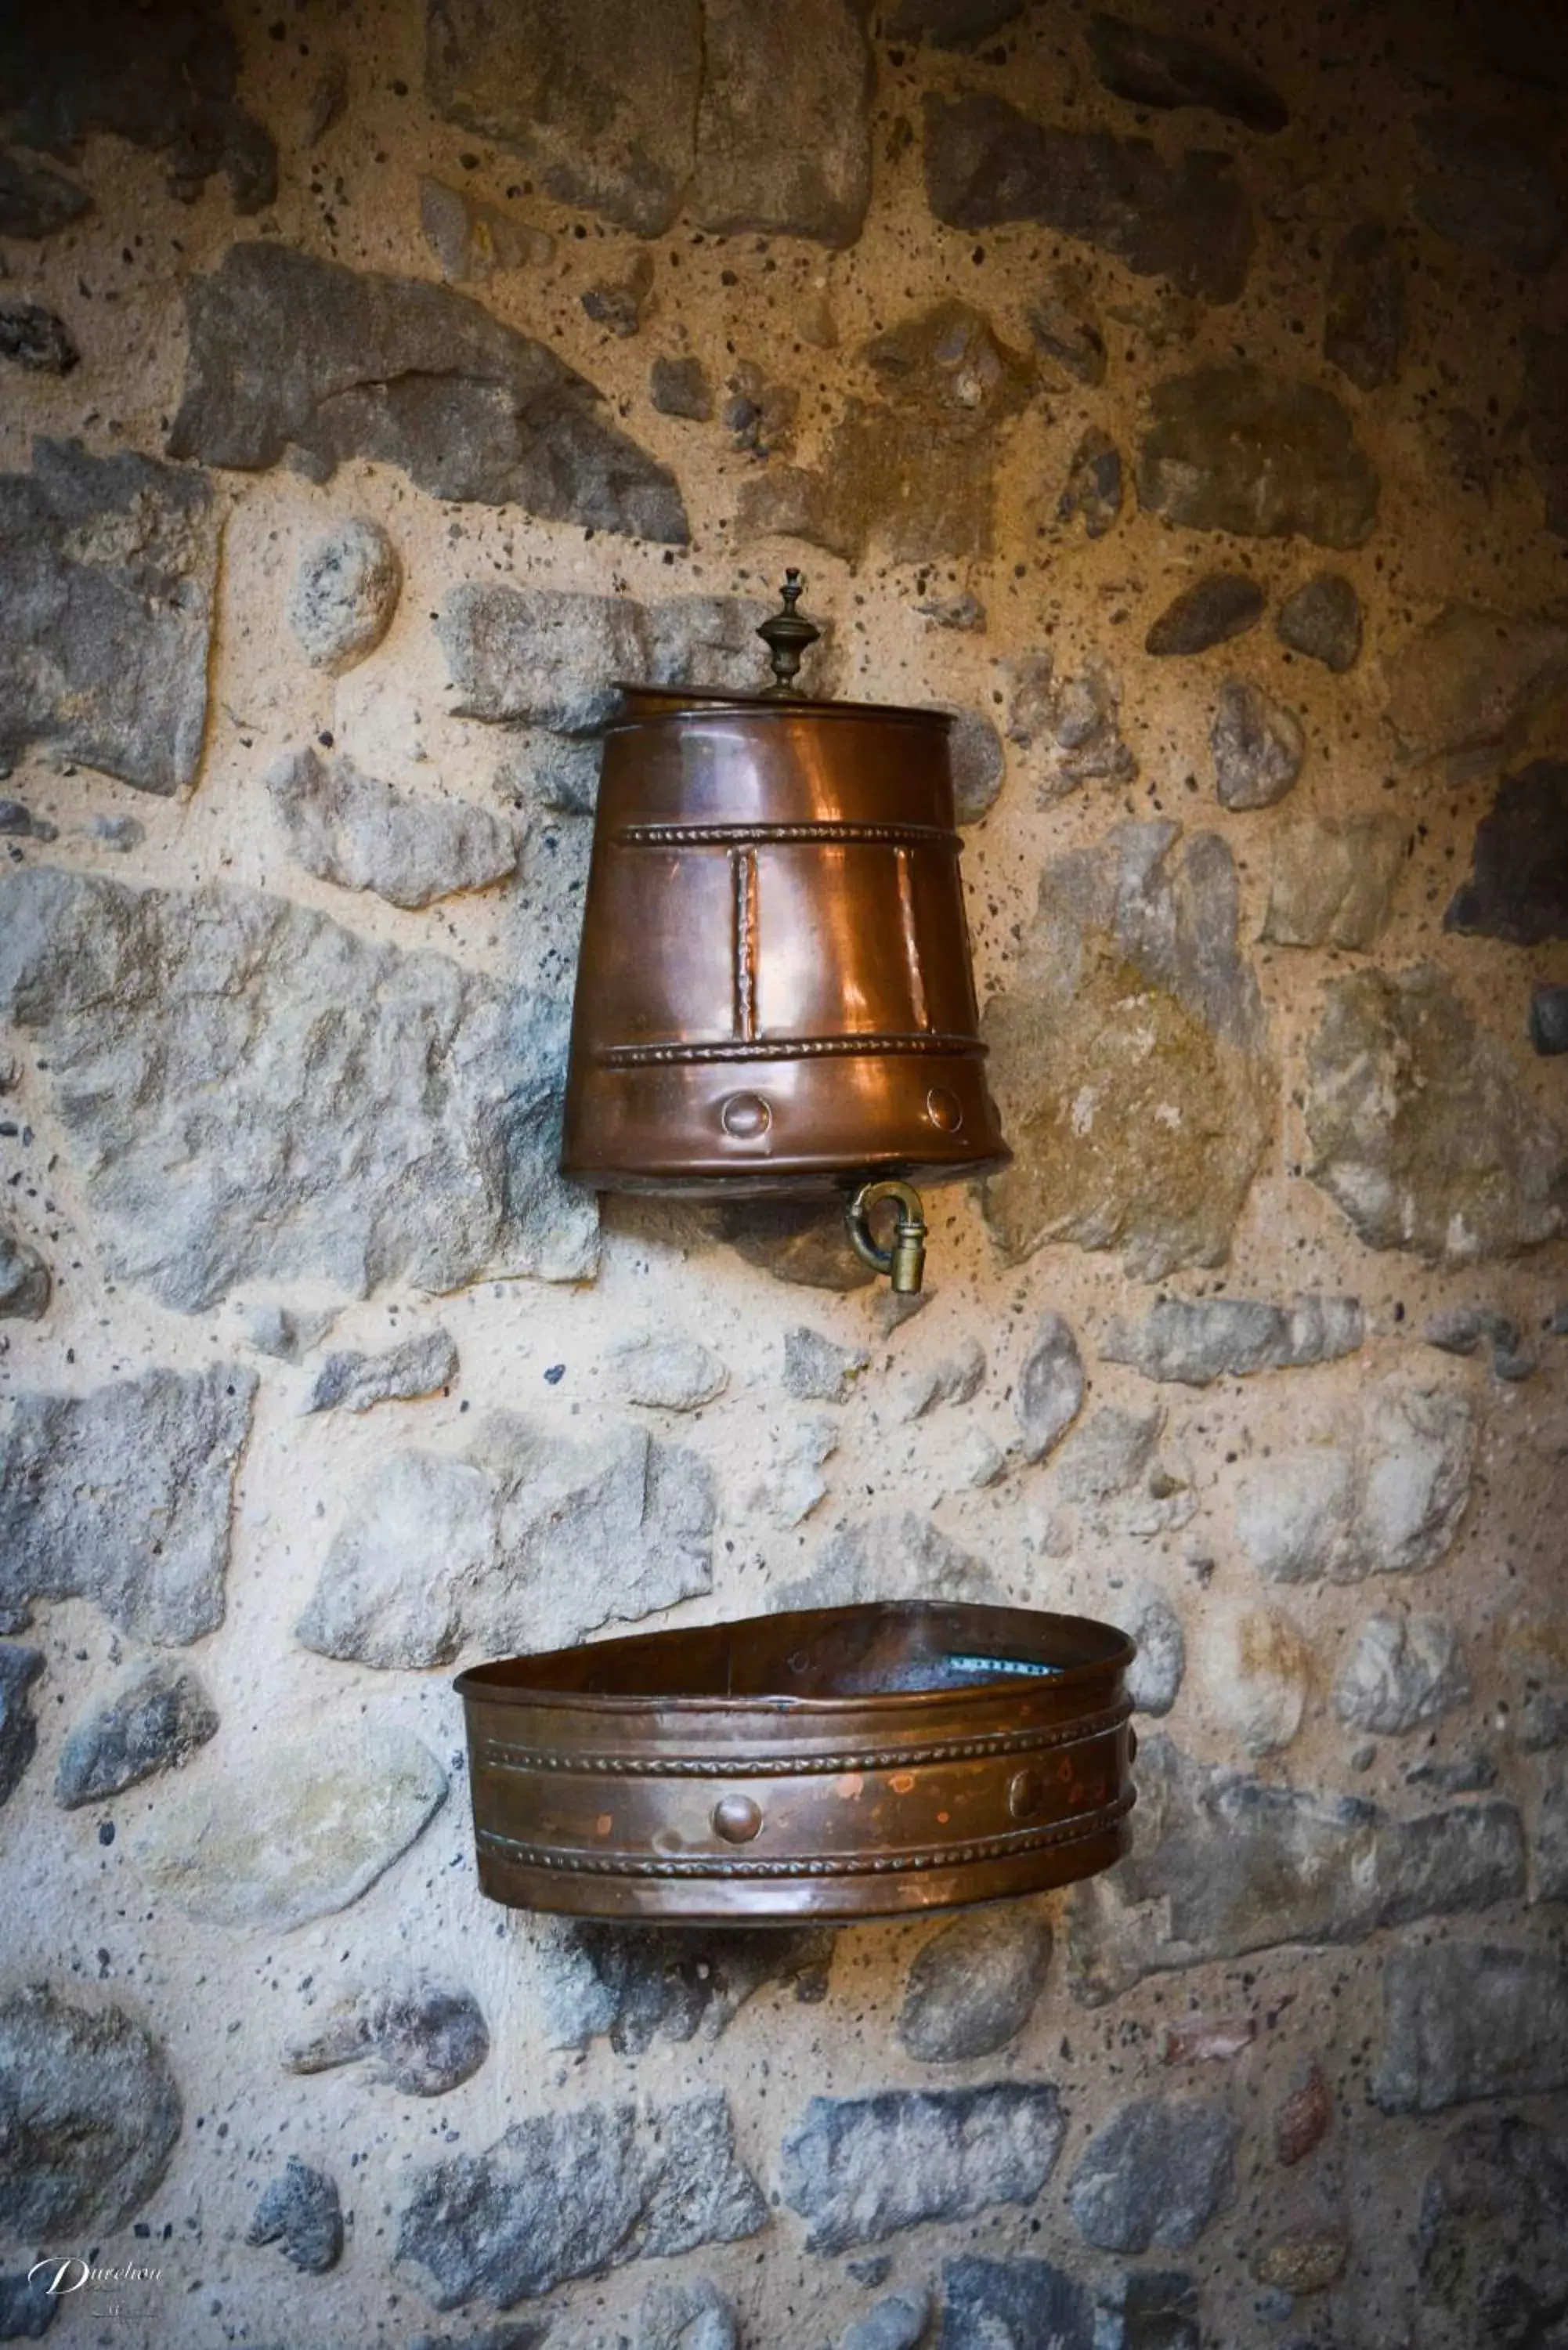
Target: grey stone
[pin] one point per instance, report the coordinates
(553, 775)
(1154, 1676)
(635, 1984)
(17, 822)
(784, 135)
(419, 2037)
(25, 1286)
(35, 338)
(300, 2210)
(1331, 879)
(1015, 2305)
(1198, 1340)
(1549, 1019)
(1494, 2234)
(1092, 493)
(1224, 1864)
(1149, 2309)
(166, 82)
(123, 1497)
(1363, 320)
(1107, 1453)
(951, 24)
(1322, 619)
(987, 164)
(1541, 1708)
(1130, 1056)
(1419, 1127)
(108, 570)
(1066, 327)
(856, 2169)
(571, 2193)
(679, 385)
(297, 1165)
(19, 1669)
(152, 1718)
(973, 1986)
(1233, 448)
(1545, 408)
(796, 1241)
(600, 96)
(955, 1378)
(472, 240)
(1073, 723)
(92, 2114)
(979, 763)
(1517, 887)
(1548, 1837)
(1258, 746)
(1403, 1671)
(686, 2317)
(707, 641)
(1221, 605)
(896, 2322)
(274, 1848)
(1258, 1672)
(346, 589)
(618, 303)
(1459, 1329)
(347, 826)
(669, 1374)
(1467, 2020)
(35, 202)
(512, 2335)
(1391, 1503)
(891, 1556)
(1491, 189)
(288, 351)
(1157, 2174)
(543, 655)
(792, 1485)
(417, 1366)
(533, 1540)
(285, 1333)
(120, 832)
(1168, 71)
(1049, 1390)
(28, 2307)
(1467, 679)
(817, 1370)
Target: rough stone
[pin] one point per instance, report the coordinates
(1322, 619)
(350, 1381)
(571, 2193)
(108, 570)
(891, 1556)
(686, 2317)
(618, 303)
(25, 1286)
(1403, 1671)
(1167, 71)
(1049, 1390)
(954, 1378)
(1303, 2120)
(19, 1669)
(1265, 456)
(669, 1374)
(1331, 880)
(120, 832)
(300, 2210)
(1419, 1127)
(347, 826)
(155, 1716)
(1303, 2261)
(679, 385)
(856, 2169)
(1198, 1340)
(1258, 746)
(973, 1986)
(1467, 679)
(987, 164)
(1549, 1019)
(635, 1984)
(308, 1836)
(896, 2322)
(709, 641)
(793, 1483)
(1224, 1864)
(345, 590)
(817, 1370)
(28, 2307)
(951, 24)
(297, 1165)
(166, 82)
(531, 1541)
(35, 338)
(1092, 493)
(1156, 2175)
(123, 1497)
(17, 822)
(1129, 1056)
(1221, 605)
(1065, 327)
(1013, 2305)
(796, 1241)
(1467, 2020)
(541, 655)
(92, 2112)
(1107, 1453)
(1072, 724)
(1549, 1835)
(1517, 887)
(1154, 1676)
(419, 2037)
(472, 240)
(288, 351)
(783, 140)
(1390, 1502)
(979, 763)
(1490, 189)
(1363, 320)
(1148, 2309)
(285, 1333)
(1493, 2233)
(35, 202)
(1258, 1675)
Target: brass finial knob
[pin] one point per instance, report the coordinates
(788, 637)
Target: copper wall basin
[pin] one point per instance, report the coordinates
(843, 1762)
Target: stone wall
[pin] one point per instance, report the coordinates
(1184, 405)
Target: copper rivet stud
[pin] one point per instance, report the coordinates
(736, 1818)
(1025, 1793)
(745, 1116)
(944, 1109)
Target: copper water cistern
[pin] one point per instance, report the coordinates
(774, 992)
